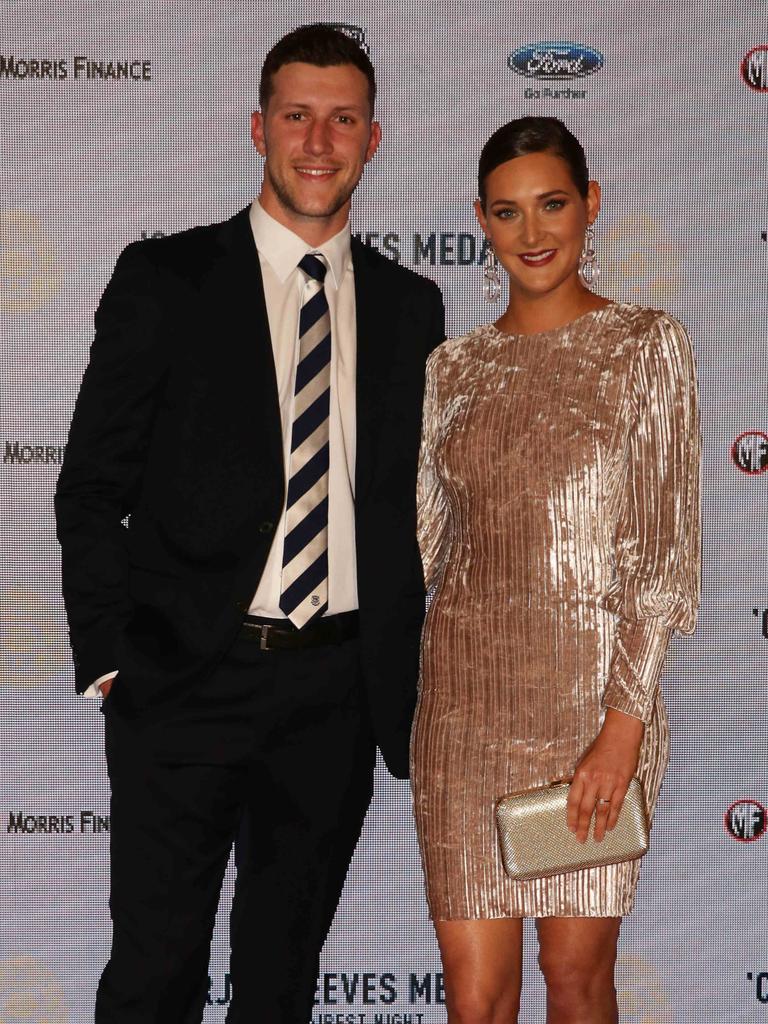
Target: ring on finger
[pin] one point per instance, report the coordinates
(602, 800)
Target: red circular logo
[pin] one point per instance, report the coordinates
(754, 68)
(746, 821)
(750, 452)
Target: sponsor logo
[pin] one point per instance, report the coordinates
(32, 639)
(17, 453)
(754, 69)
(640, 992)
(29, 270)
(745, 821)
(353, 31)
(29, 992)
(375, 988)
(78, 68)
(418, 249)
(433, 248)
(555, 61)
(554, 94)
(344, 989)
(84, 822)
(750, 452)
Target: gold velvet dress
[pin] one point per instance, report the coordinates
(559, 528)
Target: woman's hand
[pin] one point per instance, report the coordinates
(603, 774)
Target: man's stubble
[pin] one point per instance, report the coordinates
(291, 202)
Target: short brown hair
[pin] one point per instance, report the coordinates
(321, 45)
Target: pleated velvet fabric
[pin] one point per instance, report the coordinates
(559, 529)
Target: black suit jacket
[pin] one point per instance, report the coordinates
(177, 426)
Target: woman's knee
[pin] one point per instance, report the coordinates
(474, 1006)
(575, 978)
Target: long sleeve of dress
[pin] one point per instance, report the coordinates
(432, 506)
(657, 541)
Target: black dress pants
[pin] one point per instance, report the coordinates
(282, 738)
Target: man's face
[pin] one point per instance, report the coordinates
(317, 136)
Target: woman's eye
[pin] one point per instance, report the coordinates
(555, 204)
(505, 214)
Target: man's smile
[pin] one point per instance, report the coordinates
(316, 172)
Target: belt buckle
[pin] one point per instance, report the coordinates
(264, 637)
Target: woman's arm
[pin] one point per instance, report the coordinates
(657, 552)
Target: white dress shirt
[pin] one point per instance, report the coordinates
(280, 251)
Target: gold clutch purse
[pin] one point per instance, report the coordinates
(536, 841)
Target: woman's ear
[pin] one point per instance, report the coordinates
(593, 201)
(479, 213)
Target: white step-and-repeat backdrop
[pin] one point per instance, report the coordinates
(122, 121)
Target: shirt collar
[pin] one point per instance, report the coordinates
(283, 250)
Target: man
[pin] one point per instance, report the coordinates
(253, 403)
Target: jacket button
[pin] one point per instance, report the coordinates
(266, 526)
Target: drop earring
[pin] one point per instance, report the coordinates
(588, 268)
(491, 279)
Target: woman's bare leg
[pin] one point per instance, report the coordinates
(482, 966)
(577, 956)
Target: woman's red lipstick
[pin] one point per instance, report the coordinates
(538, 259)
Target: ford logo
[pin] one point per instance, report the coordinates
(555, 60)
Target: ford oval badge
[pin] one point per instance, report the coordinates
(555, 60)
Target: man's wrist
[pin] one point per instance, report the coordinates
(98, 688)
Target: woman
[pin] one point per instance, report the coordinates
(559, 530)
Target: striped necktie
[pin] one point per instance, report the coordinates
(304, 583)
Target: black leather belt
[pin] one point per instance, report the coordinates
(281, 634)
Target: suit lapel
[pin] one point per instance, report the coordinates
(242, 342)
(245, 339)
(371, 350)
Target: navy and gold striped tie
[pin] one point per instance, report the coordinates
(304, 584)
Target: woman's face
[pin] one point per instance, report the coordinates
(536, 218)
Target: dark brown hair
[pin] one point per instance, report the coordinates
(321, 45)
(533, 135)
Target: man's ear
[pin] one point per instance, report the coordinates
(257, 132)
(373, 141)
